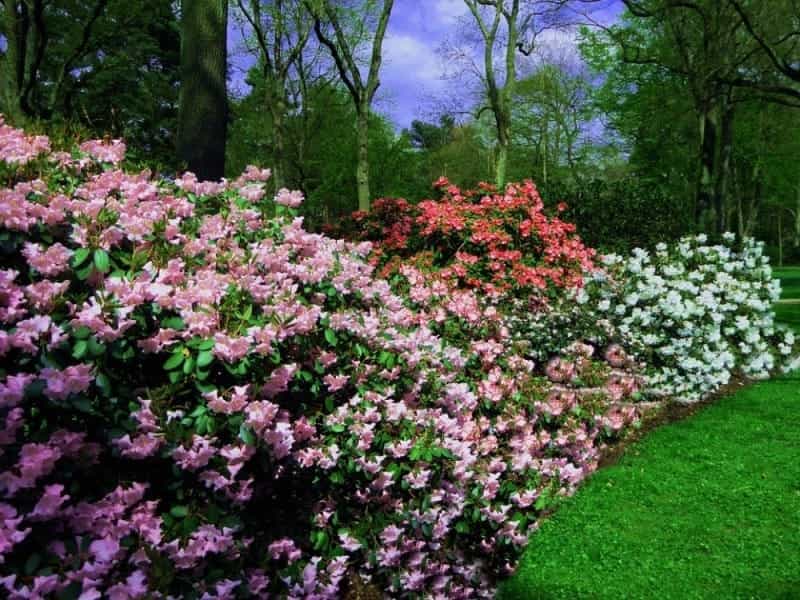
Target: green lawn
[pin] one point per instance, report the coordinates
(790, 281)
(708, 507)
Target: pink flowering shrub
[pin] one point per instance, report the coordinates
(201, 399)
(497, 242)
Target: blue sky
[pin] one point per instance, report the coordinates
(411, 76)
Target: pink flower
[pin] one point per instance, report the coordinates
(335, 382)
(49, 263)
(237, 403)
(12, 391)
(197, 455)
(230, 348)
(10, 534)
(279, 380)
(287, 198)
(252, 192)
(559, 370)
(43, 294)
(104, 550)
(349, 543)
(284, 548)
(616, 356)
(112, 151)
(49, 504)
(142, 446)
(135, 587)
(260, 415)
(72, 380)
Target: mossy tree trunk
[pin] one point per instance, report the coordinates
(203, 112)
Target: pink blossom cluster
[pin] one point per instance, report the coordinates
(107, 151)
(206, 400)
(18, 148)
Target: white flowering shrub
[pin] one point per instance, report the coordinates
(695, 313)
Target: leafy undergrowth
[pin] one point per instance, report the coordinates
(705, 507)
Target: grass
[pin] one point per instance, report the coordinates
(790, 281)
(790, 284)
(706, 507)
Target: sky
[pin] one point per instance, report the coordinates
(412, 82)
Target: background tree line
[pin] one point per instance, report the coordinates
(680, 116)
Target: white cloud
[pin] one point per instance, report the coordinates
(408, 58)
(449, 9)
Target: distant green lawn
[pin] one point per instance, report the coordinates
(790, 281)
(708, 507)
(790, 284)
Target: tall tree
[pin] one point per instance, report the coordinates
(507, 27)
(551, 114)
(280, 29)
(329, 25)
(702, 42)
(203, 114)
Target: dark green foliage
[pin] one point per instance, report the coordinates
(321, 156)
(108, 66)
(619, 215)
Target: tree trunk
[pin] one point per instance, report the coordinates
(704, 206)
(277, 106)
(796, 240)
(739, 218)
(721, 196)
(203, 112)
(362, 167)
(502, 156)
(13, 63)
(755, 203)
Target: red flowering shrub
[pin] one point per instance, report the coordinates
(200, 399)
(498, 243)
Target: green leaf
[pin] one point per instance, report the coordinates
(173, 323)
(103, 383)
(95, 347)
(188, 365)
(246, 435)
(83, 404)
(80, 256)
(82, 332)
(330, 337)
(204, 358)
(179, 511)
(101, 261)
(205, 388)
(174, 361)
(33, 562)
(84, 272)
(79, 349)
